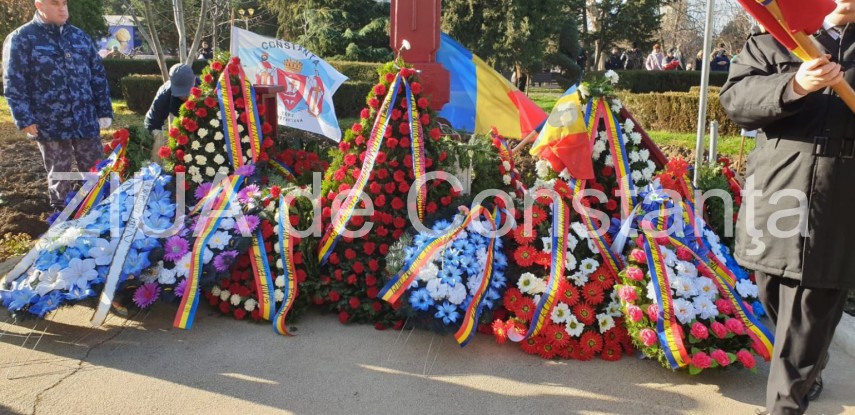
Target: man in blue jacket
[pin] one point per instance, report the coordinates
(167, 102)
(56, 87)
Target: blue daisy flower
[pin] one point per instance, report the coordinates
(447, 312)
(500, 259)
(498, 281)
(47, 303)
(451, 275)
(18, 299)
(421, 300)
(135, 262)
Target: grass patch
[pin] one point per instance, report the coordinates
(122, 118)
(727, 145)
(545, 98)
(14, 245)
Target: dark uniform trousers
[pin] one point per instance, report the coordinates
(57, 156)
(805, 319)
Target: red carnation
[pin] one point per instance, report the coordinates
(374, 103)
(384, 249)
(373, 265)
(416, 87)
(400, 223)
(180, 169)
(701, 360)
(607, 171)
(240, 313)
(425, 119)
(225, 308)
(406, 72)
(379, 90)
(396, 114)
(405, 143)
(353, 302)
(372, 292)
(210, 102)
(234, 69)
(376, 306)
(423, 103)
(196, 92)
(404, 128)
(217, 66)
(390, 77)
(164, 152)
(201, 113)
(397, 203)
(343, 317)
(334, 296)
(357, 128)
(350, 254)
(370, 280)
(190, 104)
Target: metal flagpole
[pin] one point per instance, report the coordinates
(705, 81)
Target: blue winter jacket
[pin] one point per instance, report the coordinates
(54, 78)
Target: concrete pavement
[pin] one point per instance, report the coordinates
(223, 366)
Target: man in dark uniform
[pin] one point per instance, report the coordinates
(167, 101)
(795, 227)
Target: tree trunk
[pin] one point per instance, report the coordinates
(152, 38)
(178, 12)
(197, 38)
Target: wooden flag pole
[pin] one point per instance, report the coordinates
(525, 140)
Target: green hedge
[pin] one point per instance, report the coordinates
(120, 68)
(640, 82)
(712, 89)
(139, 91)
(676, 112)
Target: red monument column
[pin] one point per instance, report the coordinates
(417, 21)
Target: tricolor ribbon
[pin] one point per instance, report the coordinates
(417, 145)
(473, 311)
(667, 327)
(228, 112)
(560, 228)
(208, 225)
(602, 113)
(398, 285)
(95, 193)
(286, 251)
(613, 261)
(283, 169)
(375, 142)
(726, 281)
(262, 275)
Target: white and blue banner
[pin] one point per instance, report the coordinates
(309, 81)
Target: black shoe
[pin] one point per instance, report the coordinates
(815, 389)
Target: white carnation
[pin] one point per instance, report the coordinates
(280, 281)
(196, 145)
(608, 161)
(224, 295)
(542, 168)
(215, 122)
(202, 133)
(250, 304)
(209, 148)
(218, 136)
(201, 160)
(210, 172)
(278, 295)
(188, 158)
(633, 156)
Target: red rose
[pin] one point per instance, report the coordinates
(384, 249)
(423, 103)
(389, 187)
(240, 313)
(373, 265)
(379, 90)
(225, 308)
(358, 267)
(435, 134)
(382, 231)
(196, 92)
(607, 171)
(399, 223)
(201, 113)
(425, 119)
(266, 128)
(368, 248)
(217, 66)
(396, 114)
(445, 200)
(370, 280)
(380, 201)
(416, 87)
(333, 259)
(334, 296)
(381, 157)
(374, 103)
(403, 128)
(343, 317)
(190, 104)
(210, 102)
(350, 159)
(372, 292)
(350, 254)
(351, 279)
(404, 143)
(611, 204)
(390, 77)
(357, 128)
(403, 187)
(397, 203)
(354, 302)
(180, 169)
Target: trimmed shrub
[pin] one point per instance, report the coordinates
(713, 90)
(639, 82)
(349, 99)
(120, 68)
(676, 111)
(358, 71)
(139, 91)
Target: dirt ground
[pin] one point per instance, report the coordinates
(23, 189)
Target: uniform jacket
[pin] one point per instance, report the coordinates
(804, 146)
(53, 77)
(162, 106)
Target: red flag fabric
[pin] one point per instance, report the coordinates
(805, 16)
(800, 15)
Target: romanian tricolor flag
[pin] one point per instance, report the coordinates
(563, 141)
(481, 98)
